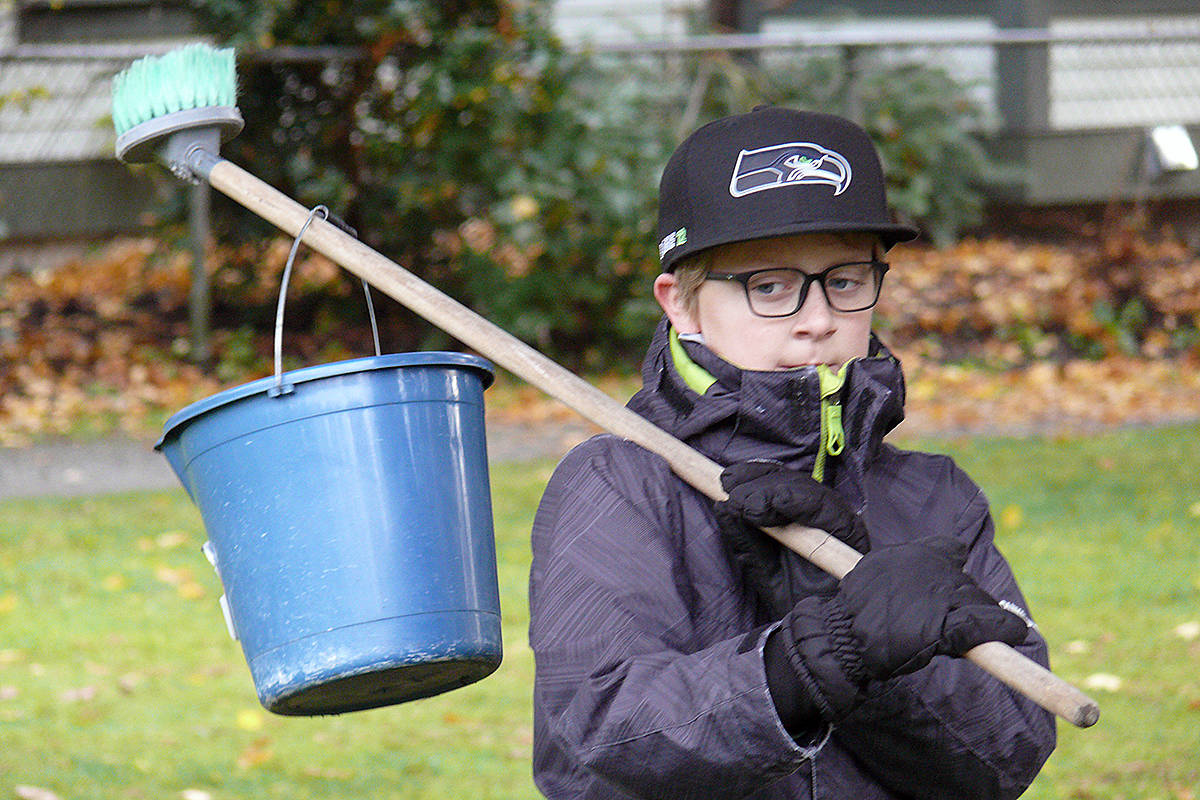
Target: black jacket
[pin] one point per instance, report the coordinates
(650, 679)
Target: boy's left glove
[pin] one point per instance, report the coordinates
(893, 612)
(766, 493)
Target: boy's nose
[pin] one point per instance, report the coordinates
(815, 319)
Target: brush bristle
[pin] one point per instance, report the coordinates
(191, 77)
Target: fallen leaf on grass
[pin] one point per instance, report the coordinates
(249, 720)
(256, 754)
(34, 793)
(84, 694)
(1188, 630)
(184, 581)
(129, 682)
(190, 590)
(1011, 517)
(1103, 682)
(114, 583)
(171, 540)
(172, 576)
(1077, 647)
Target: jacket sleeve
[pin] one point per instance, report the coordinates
(952, 730)
(636, 685)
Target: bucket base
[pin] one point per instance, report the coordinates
(383, 688)
(378, 663)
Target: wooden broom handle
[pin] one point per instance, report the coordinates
(830, 554)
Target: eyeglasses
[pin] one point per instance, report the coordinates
(853, 286)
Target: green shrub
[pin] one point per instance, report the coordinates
(461, 147)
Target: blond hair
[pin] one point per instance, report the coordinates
(690, 273)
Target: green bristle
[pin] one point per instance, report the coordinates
(190, 77)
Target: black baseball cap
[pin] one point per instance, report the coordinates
(772, 172)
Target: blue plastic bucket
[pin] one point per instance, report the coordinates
(349, 517)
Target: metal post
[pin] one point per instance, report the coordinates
(199, 299)
(851, 61)
(1023, 72)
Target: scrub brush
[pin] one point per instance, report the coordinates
(191, 91)
(179, 107)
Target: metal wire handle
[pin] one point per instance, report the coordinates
(280, 388)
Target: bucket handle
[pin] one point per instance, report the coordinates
(280, 388)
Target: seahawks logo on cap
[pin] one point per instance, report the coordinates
(789, 165)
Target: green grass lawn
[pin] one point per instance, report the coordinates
(117, 679)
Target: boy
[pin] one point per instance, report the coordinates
(680, 652)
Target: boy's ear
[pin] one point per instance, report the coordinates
(666, 292)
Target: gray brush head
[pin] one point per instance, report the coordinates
(143, 142)
(171, 104)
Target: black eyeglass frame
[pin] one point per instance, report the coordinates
(878, 268)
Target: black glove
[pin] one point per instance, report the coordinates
(911, 602)
(768, 493)
(898, 608)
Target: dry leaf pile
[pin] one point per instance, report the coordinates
(106, 338)
(1005, 304)
(994, 334)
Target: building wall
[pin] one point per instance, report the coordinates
(1072, 117)
(598, 21)
(1090, 85)
(8, 24)
(1138, 84)
(972, 65)
(59, 178)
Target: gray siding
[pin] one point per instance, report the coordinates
(1125, 85)
(581, 21)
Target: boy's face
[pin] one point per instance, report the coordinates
(816, 334)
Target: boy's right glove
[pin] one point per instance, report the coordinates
(898, 608)
(766, 493)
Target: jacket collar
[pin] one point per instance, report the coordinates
(747, 414)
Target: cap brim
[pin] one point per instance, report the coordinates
(890, 234)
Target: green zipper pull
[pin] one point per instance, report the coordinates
(833, 435)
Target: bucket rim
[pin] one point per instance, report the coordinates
(428, 358)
